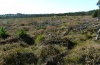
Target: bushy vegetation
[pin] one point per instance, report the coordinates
(24, 36)
(3, 33)
(96, 13)
(40, 39)
(22, 33)
(20, 56)
(60, 40)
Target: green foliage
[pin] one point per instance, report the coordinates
(22, 33)
(98, 2)
(99, 13)
(95, 14)
(25, 37)
(39, 38)
(3, 33)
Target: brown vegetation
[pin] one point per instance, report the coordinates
(63, 40)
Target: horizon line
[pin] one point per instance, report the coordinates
(46, 13)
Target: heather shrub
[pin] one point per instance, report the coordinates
(86, 54)
(20, 56)
(60, 40)
(44, 53)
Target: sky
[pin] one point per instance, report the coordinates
(46, 6)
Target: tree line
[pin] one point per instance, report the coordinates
(19, 15)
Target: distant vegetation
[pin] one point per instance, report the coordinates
(19, 15)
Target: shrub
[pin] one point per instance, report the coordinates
(20, 56)
(45, 53)
(22, 33)
(39, 38)
(3, 33)
(87, 54)
(24, 36)
(53, 38)
(58, 39)
(95, 14)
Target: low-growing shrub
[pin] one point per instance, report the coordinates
(22, 33)
(87, 54)
(40, 38)
(45, 53)
(3, 33)
(20, 58)
(57, 39)
(24, 36)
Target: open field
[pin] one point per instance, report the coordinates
(58, 40)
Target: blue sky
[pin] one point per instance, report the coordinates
(46, 6)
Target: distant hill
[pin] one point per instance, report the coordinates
(19, 15)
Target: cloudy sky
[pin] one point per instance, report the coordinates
(46, 6)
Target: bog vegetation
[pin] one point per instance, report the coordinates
(59, 40)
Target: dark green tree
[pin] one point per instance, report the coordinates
(98, 3)
(97, 12)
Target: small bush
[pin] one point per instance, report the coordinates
(3, 33)
(24, 36)
(20, 56)
(22, 33)
(39, 38)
